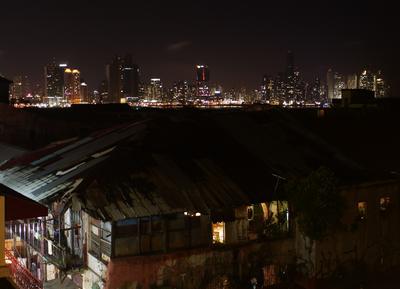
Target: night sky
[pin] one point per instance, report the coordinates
(240, 41)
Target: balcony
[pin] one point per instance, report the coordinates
(49, 249)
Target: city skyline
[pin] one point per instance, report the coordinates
(239, 41)
(64, 85)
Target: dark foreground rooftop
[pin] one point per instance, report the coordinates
(169, 161)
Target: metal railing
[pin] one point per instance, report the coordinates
(52, 251)
(22, 277)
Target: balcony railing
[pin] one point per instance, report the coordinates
(50, 250)
(22, 277)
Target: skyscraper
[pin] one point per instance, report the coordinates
(180, 91)
(290, 63)
(4, 90)
(130, 78)
(339, 84)
(330, 83)
(54, 82)
(381, 89)
(20, 88)
(123, 79)
(335, 83)
(202, 73)
(314, 92)
(103, 92)
(84, 91)
(279, 96)
(155, 90)
(114, 80)
(72, 86)
(202, 81)
(294, 86)
(267, 89)
(38, 93)
(367, 80)
(352, 81)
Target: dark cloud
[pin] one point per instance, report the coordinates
(178, 46)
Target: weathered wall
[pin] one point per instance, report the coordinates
(374, 241)
(199, 268)
(95, 274)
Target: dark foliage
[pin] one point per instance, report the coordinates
(317, 203)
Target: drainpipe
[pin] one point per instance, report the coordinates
(2, 232)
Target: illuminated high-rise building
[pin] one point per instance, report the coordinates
(202, 81)
(352, 81)
(103, 92)
(54, 83)
(330, 81)
(155, 90)
(20, 89)
(299, 88)
(72, 86)
(84, 92)
(367, 80)
(294, 86)
(267, 89)
(314, 92)
(202, 73)
(38, 93)
(335, 83)
(381, 89)
(180, 91)
(280, 87)
(323, 96)
(339, 84)
(291, 79)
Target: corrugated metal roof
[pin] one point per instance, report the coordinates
(49, 171)
(145, 168)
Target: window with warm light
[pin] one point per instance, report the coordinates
(362, 210)
(218, 232)
(279, 212)
(265, 211)
(250, 213)
(384, 203)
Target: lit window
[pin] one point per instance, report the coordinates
(250, 213)
(362, 210)
(384, 203)
(279, 212)
(218, 231)
(265, 210)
